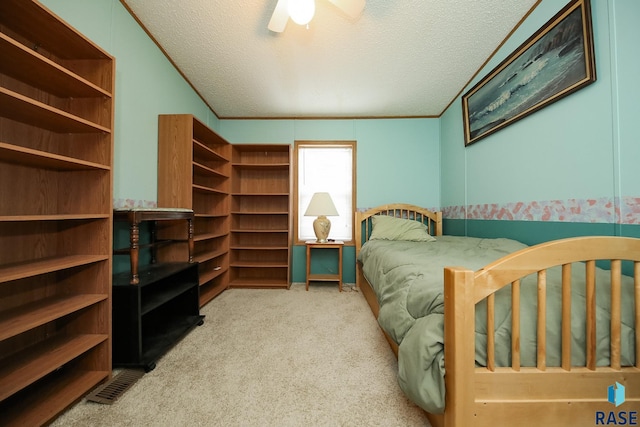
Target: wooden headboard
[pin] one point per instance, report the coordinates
(433, 220)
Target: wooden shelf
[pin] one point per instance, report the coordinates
(18, 320)
(248, 183)
(260, 194)
(258, 283)
(261, 203)
(261, 166)
(61, 217)
(26, 110)
(41, 159)
(208, 236)
(198, 168)
(202, 151)
(258, 230)
(46, 265)
(194, 171)
(32, 364)
(260, 212)
(260, 264)
(259, 246)
(206, 256)
(29, 66)
(45, 402)
(210, 275)
(56, 193)
(212, 215)
(323, 278)
(208, 189)
(45, 30)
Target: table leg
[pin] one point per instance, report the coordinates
(190, 238)
(134, 238)
(308, 264)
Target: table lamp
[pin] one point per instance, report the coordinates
(321, 206)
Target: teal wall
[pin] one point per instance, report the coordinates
(573, 163)
(389, 152)
(582, 149)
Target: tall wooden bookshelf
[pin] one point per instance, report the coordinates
(56, 154)
(194, 172)
(260, 216)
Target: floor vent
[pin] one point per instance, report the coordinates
(109, 392)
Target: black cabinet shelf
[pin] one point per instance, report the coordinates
(151, 317)
(163, 294)
(150, 274)
(165, 334)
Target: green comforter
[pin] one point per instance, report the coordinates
(407, 278)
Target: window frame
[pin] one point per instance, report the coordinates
(329, 144)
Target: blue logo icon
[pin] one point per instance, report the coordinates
(616, 394)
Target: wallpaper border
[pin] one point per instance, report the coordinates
(132, 203)
(625, 210)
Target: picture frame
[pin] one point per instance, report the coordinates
(554, 62)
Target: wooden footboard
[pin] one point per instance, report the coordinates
(562, 396)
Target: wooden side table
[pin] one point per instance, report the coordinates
(313, 244)
(137, 215)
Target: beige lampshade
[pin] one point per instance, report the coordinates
(321, 205)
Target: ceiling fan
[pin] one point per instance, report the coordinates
(301, 11)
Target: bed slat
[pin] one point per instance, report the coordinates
(515, 325)
(491, 337)
(616, 271)
(542, 320)
(590, 272)
(566, 317)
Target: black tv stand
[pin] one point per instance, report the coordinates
(155, 305)
(152, 316)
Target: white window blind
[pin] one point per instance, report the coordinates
(326, 168)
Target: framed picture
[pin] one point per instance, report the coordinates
(554, 62)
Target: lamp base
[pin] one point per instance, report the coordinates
(321, 227)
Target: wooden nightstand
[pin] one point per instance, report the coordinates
(337, 245)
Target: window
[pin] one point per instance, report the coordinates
(325, 167)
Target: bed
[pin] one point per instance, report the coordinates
(563, 312)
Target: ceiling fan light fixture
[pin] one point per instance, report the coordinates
(301, 11)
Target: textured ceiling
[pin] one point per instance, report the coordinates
(400, 58)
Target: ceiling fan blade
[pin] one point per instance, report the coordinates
(353, 8)
(279, 18)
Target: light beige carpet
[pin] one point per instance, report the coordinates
(269, 358)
